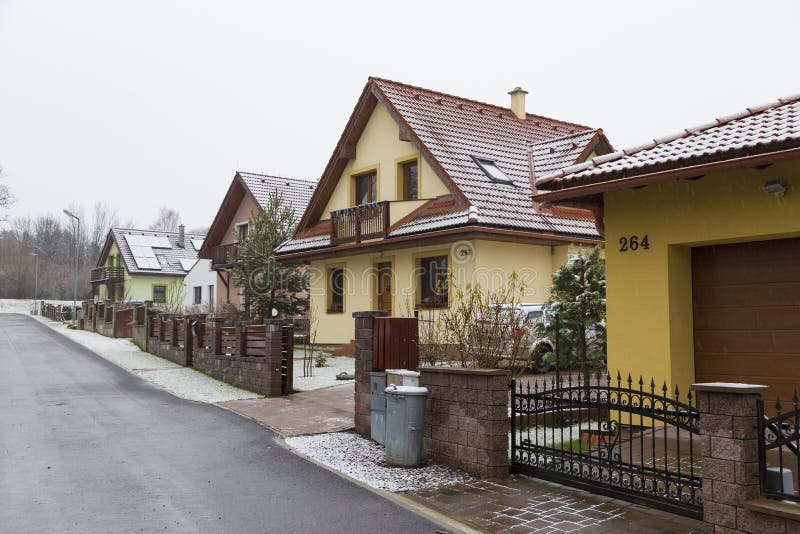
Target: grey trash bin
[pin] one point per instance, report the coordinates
(377, 407)
(405, 420)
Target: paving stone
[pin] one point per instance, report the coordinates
(522, 504)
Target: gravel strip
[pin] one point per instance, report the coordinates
(363, 460)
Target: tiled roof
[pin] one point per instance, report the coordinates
(297, 192)
(455, 130)
(554, 154)
(171, 257)
(756, 130)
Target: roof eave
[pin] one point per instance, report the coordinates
(640, 180)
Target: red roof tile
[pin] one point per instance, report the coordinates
(759, 129)
(456, 130)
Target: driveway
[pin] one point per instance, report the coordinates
(87, 447)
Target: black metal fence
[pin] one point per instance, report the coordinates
(621, 438)
(779, 450)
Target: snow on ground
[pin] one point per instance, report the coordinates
(25, 305)
(323, 377)
(180, 381)
(363, 460)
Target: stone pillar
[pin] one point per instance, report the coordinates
(729, 449)
(363, 364)
(466, 419)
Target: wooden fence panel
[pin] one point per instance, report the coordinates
(396, 343)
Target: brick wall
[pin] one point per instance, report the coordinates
(466, 419)
(261, 374)
(363, 367)
(729, 446)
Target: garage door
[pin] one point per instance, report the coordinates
(746, 300)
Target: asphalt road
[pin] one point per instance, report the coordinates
(87, 447)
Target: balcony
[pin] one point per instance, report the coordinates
(108, 275)
(223, 256)
(353, 225)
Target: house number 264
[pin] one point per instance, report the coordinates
(633, 242)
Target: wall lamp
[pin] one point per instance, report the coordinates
(776, 188)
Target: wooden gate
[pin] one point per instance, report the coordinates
(123, 323)
(396, 343)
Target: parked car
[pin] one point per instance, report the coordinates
(534, 350)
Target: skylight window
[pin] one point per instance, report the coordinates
(491, 170)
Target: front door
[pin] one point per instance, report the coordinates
(383, 287)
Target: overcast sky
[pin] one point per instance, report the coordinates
(149, 103)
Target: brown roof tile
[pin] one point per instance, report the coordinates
(759, 129)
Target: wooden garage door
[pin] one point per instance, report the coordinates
(747, 315)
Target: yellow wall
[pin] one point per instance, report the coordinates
(380, 147)
(141, 287)
(489, 263)
(649, 292)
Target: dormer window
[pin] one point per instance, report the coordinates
(491, 170)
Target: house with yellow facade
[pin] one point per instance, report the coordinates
(703, 249)
(145, 265)
(423, 186)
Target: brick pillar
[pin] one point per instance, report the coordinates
(364, 345)
(466, 419)
(729, 447)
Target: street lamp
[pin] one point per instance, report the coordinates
(36, 277)
(36, 282)
(75, 284)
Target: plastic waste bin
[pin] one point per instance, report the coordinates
(402, 377)
(377, 407)
(405, 421)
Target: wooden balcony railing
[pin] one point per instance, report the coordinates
(353, 225)
(223, 256)
(108, 275)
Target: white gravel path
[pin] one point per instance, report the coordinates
(363, 460)
(182, 382)
(323, 377)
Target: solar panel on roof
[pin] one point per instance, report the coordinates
(136, 240)
(159, 241)
(147, 263)
(187, 263)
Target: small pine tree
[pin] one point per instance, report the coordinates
(267, 284)
(577, 304)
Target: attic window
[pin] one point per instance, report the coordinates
(491, 170)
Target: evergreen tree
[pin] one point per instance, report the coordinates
(266, 283)
(577, 307)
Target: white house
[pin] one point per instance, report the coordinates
(200, 287)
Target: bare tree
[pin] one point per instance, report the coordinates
(6, 199)
(167, 221)
(105, 217)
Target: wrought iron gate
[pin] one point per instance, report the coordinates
(615, 437)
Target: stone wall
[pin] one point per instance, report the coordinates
(363, 367)
(729, 447)
(254, 373)
(466, 419)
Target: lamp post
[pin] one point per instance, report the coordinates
(36, 279)
(75, 283)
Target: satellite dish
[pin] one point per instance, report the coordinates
(274, 312)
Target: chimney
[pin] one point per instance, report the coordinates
(518, 102)
(181, 235)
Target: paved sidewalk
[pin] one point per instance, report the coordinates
(309, 412)
(522, 504)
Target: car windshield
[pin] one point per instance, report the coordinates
(535, 316)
